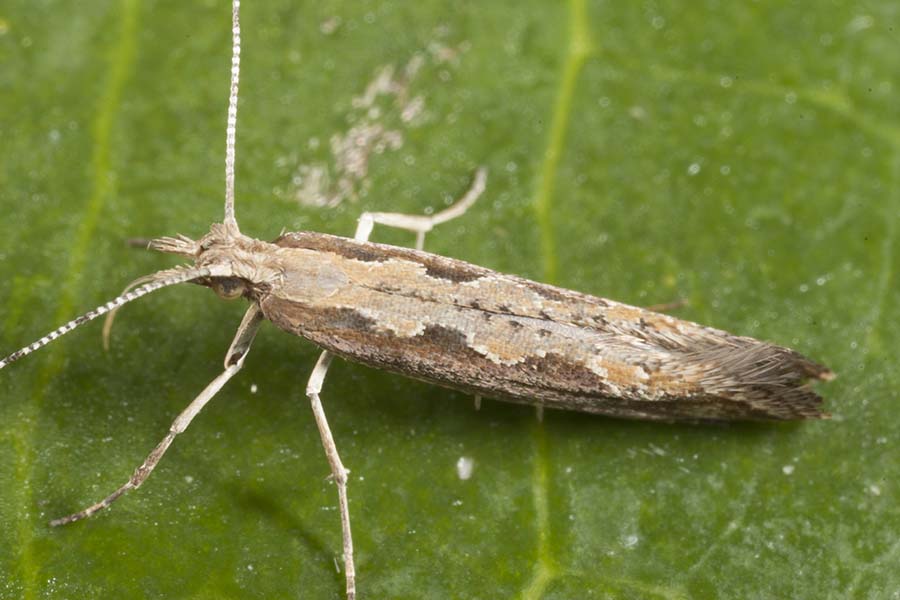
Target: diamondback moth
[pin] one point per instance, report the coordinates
(461, 326)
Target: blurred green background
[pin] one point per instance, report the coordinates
(743, 156)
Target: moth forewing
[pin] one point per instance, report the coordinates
(459, 325)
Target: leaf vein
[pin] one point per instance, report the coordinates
(121, 62)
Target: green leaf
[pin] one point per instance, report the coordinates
(743, 156)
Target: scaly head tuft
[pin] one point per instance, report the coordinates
(181, 245)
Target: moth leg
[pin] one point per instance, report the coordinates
(422, 224)
(338, 472)
(234, 361)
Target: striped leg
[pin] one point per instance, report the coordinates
(422, 224)
(338, 472)
(234, 361)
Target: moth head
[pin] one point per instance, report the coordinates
(240, 265)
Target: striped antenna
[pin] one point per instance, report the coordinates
(178, 276)
(231, 127)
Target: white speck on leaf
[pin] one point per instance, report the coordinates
(860, 23)
(464, 467)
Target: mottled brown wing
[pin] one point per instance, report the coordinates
(466, 327)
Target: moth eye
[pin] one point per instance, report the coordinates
(229, 288)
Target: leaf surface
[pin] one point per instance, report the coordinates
(744, 158)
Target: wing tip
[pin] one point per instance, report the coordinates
(773, 383)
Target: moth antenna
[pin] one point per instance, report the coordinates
(231, 126)
(159, 280)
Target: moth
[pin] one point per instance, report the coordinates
(461, 326)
